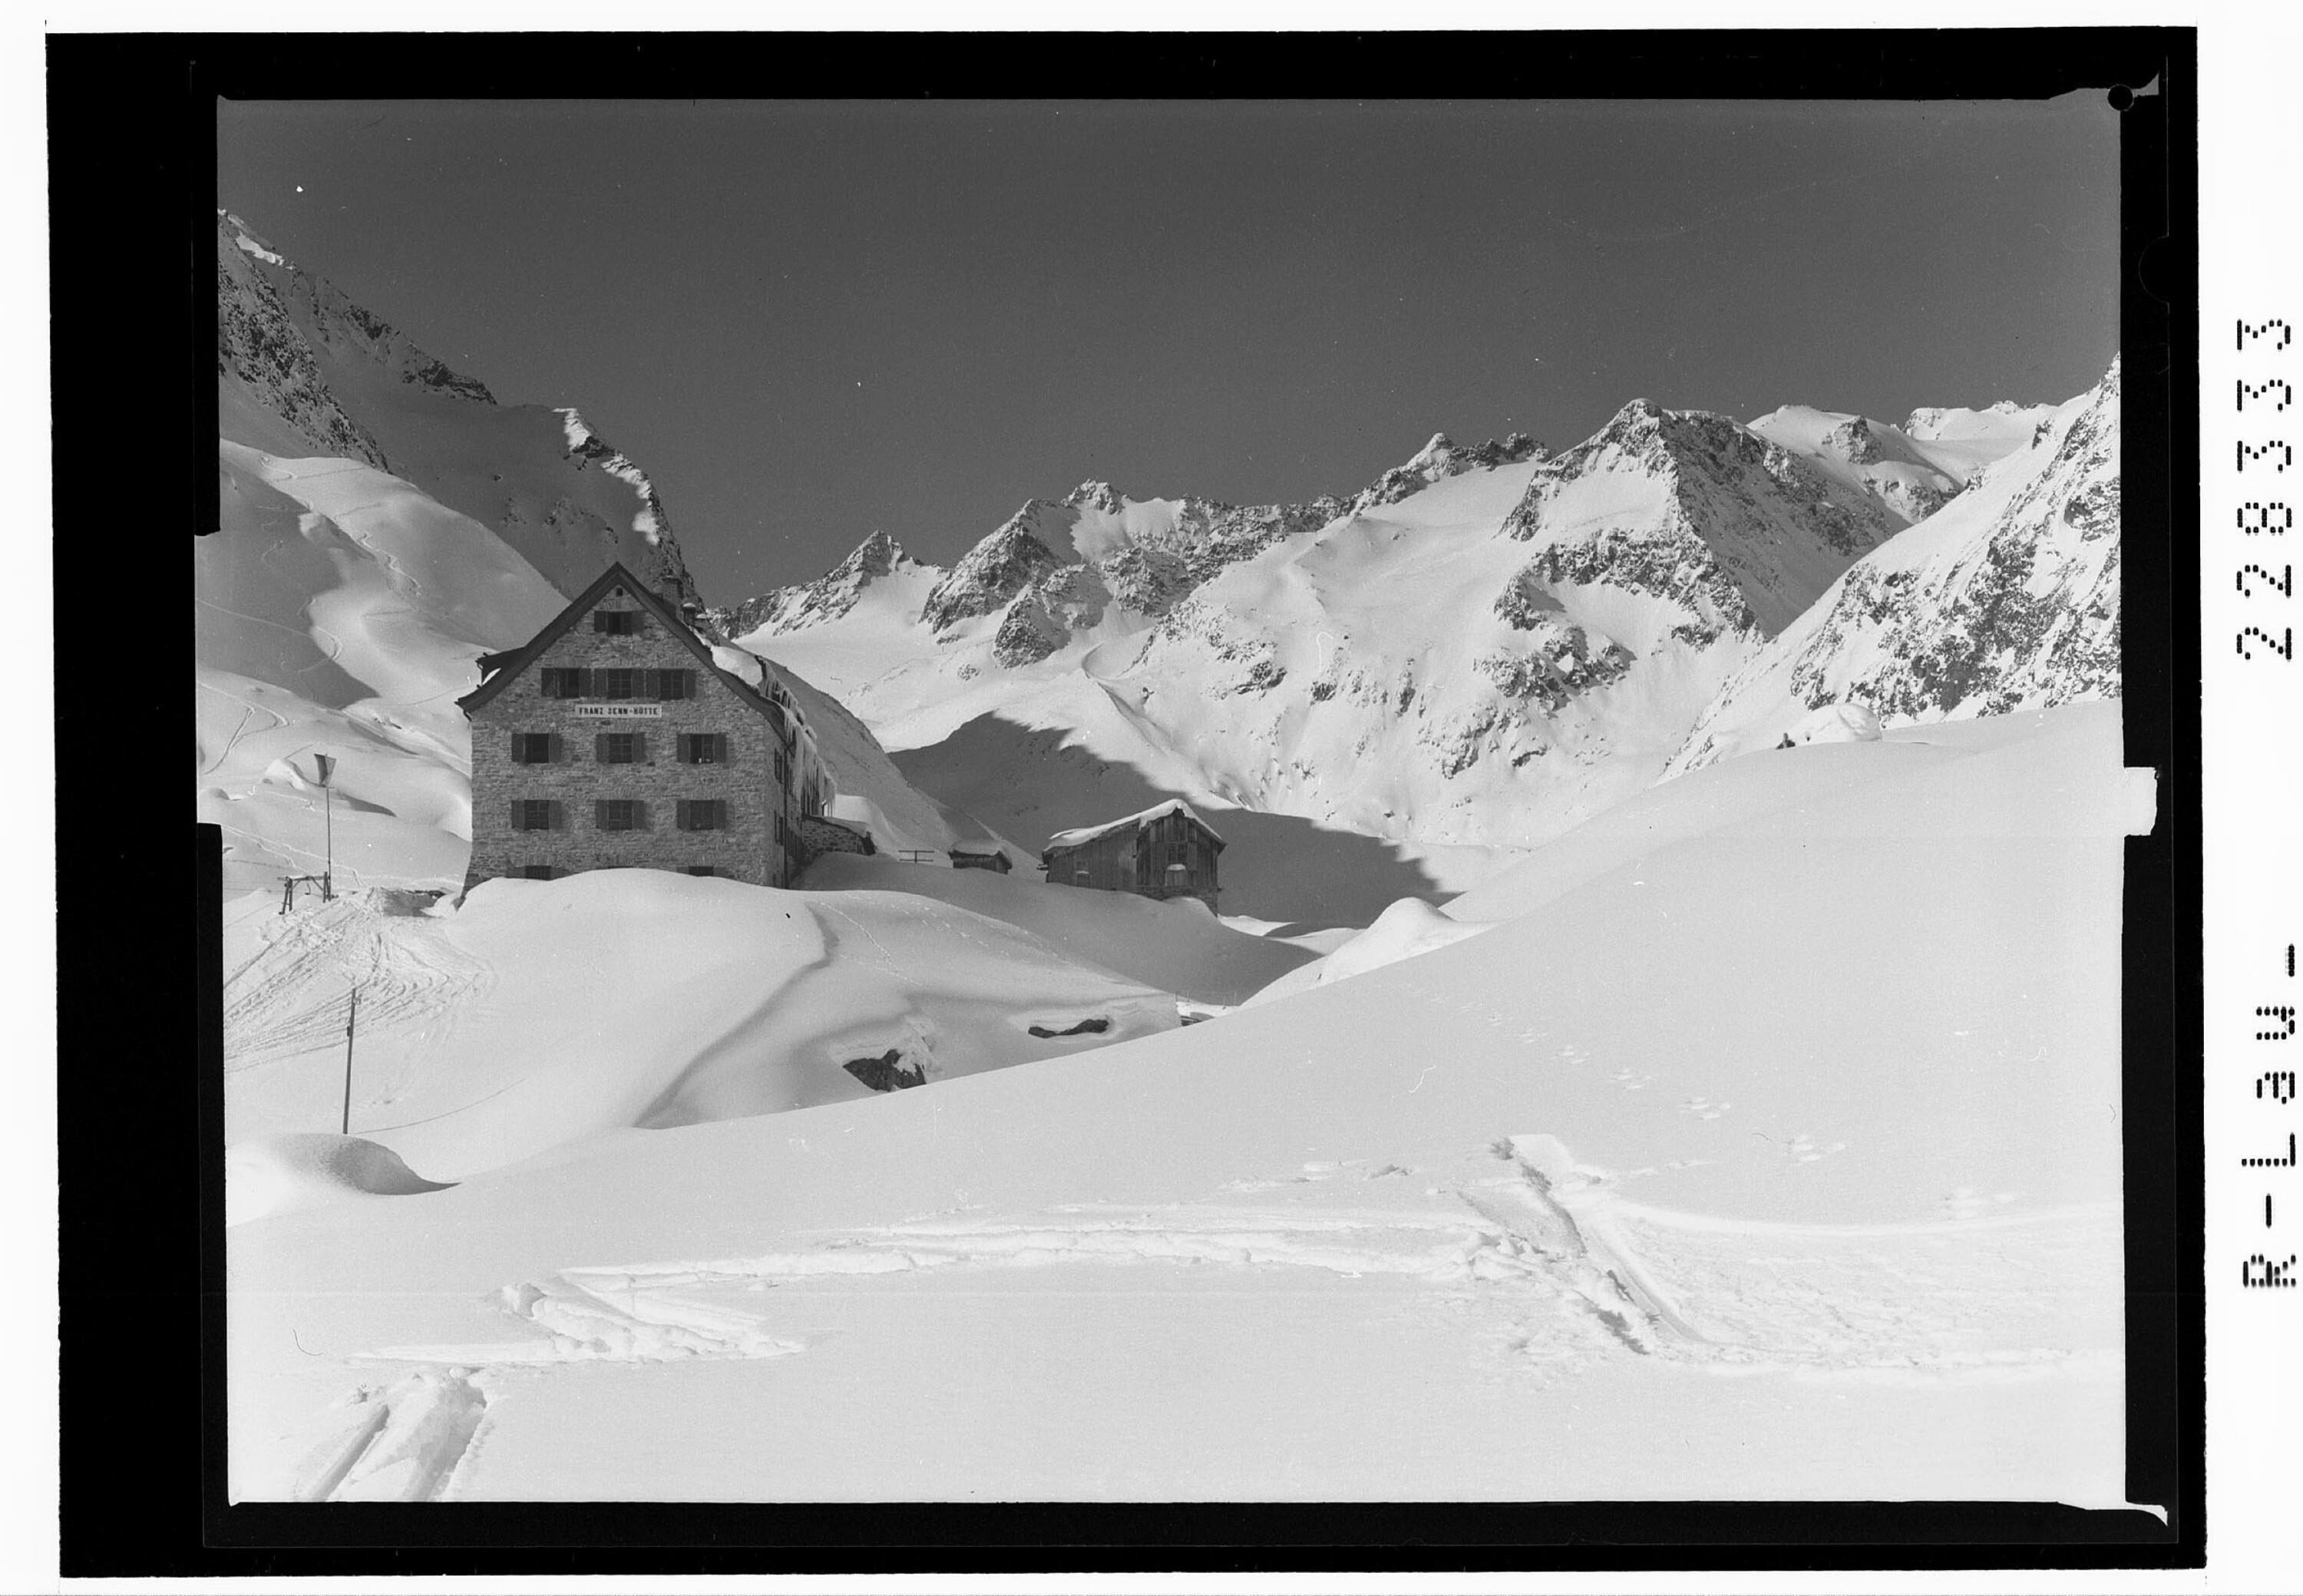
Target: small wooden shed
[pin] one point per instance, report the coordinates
(988, 858)
(1167, 851)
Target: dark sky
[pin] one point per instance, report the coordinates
(808, 321)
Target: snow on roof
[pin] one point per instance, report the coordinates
(1073, 838)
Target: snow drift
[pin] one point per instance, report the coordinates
(545, 1013)
(275, 1174)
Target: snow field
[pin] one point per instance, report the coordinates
(1681, 1151)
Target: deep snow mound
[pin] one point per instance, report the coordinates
(545, 1013)
(276, 1174)
(1407, 928)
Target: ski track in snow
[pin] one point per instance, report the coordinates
(406, 970)
(1568, 1277)
(404, 1443)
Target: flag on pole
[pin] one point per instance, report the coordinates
(327, 764)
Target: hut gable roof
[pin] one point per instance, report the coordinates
(1085, 834)
(502, 668)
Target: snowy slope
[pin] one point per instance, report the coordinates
(2007, 599)
(297, 358)
(338, 612)
(484, 1037)
(1611, 1200)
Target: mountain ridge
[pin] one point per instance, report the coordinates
(1483, 648)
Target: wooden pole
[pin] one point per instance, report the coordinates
(349, 1022)
(328, 871)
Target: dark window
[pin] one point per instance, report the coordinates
(702, 870)
(536, 873)
(621, 623)
(673, 684)
(620, 748)
(531, 748)
(561, 682)
(783, 770)
(615, 683)
(532, 814)
(703, 747)
(619, 814)
(703, 815)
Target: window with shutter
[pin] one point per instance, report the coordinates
(618, 815)
(531, 748)
(619, 747)
(616, 682)
(536, 871)
(620, 623)
(531, 815)
(674, 684)
(702, 870)
(560, 681)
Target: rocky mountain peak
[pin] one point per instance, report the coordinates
(812, 604)
(876, 556)
(1096, 496)
(1853, 442)
(1442, 458)
(994, 571)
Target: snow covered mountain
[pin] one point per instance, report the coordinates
(302, 369)
(1913, 469)
(2007, 599)
(1484, 646)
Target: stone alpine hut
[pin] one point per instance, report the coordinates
(618, 737)
(1167, 851)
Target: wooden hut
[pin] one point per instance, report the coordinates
(1167, 851)
(988, 858)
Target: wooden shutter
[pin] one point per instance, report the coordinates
(600, 746)
(683, 814)
(558, 747)
(719, 748)
(640, 747)
(649, 682)
(639, 815)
